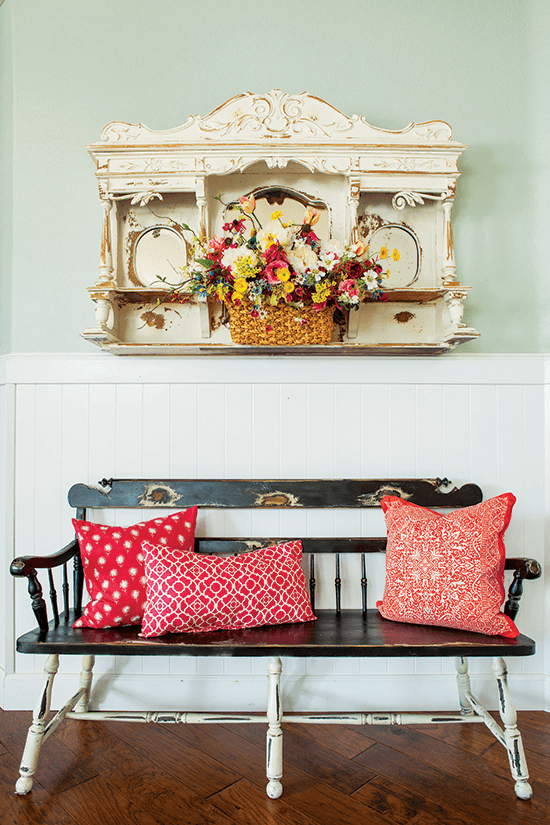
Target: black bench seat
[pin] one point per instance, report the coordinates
(350, 633)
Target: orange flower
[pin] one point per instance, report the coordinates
(384, 252)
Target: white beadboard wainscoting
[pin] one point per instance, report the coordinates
(80, 418)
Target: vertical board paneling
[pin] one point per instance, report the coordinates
(484, 433)
(155, 433)
(211, 431)
(25, 493)
(128, 458)
(402, 417)
(456, 425)
(74, 448)
(529, 617)
(293, 412)
(429, 431)
(183, 435)
(102, 425)
(237, 427)
(267, 430)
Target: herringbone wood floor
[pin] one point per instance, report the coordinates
(112, 773)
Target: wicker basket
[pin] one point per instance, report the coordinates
(282, 325)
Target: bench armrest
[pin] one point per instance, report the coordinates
(25, 567)
(523, 569)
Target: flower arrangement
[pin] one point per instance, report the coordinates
(280, 264)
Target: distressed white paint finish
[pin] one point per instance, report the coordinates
(237, 425)
(299, 143)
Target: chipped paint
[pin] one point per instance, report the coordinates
(158, 495)
(153, 319)
(277, 499)
(404, 317)
(372, 499)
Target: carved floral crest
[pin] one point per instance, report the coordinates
(276, 114)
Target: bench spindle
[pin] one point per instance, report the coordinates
(65, 592)
(363, 584)
(338, 586)
(53, 597)
(312, 582)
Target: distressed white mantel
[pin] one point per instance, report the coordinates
(68, 418)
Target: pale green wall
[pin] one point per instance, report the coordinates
(6, 161)
(482, 66)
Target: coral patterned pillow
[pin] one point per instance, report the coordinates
(190, 593)
(112, 558)
(447, 570)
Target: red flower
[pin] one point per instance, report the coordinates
(383, 296)
(268, 327)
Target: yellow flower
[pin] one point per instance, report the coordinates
(395, 255)
(276, 214)
(289, 286)
(384, 252)
(387, 273)
(283, 274)
(240, 285)
(236, 296)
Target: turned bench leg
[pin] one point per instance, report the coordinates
(35, 736)
(274, 752)
(512, 736)
(85, 682)
(463, 682)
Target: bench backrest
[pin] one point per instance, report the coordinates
(245, 494)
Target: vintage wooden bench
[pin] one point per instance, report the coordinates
(337, 632)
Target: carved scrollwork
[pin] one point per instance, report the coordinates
(402, 199)
(279, 115)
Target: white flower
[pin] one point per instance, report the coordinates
(274, 232)
(232, 255)
(302, 258)
(370, 280)
(334, 246)
(329, 260)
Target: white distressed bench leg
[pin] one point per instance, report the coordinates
(512, 736)
(86, 676)
(35, 736)
(463, 682)
(274, 751)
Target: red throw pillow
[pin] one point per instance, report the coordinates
(190, 593)
(113, 562)
(447, 570)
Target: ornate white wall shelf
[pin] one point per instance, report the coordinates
(390, 187)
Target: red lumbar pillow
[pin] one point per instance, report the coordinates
(190, 593)
(448, 569)
(113, 562)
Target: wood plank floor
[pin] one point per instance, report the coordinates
(94, 773)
